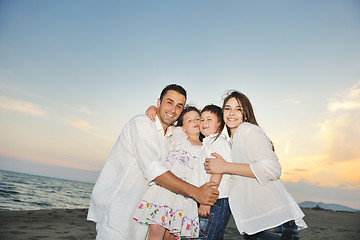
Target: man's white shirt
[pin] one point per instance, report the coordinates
(135, 160)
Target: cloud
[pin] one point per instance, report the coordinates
(336, 158)
(300, 170)
(8, 155)
(349, 100)
(86, 110)
(341, 131)
(20, 106)
(290, 100)
(287, 147)
(83, 125)
(345, 105)
(341, 137)
(55, 168)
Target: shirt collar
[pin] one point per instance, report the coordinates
(210, 137)
(159, 127)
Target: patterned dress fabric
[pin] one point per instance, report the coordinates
(175, 212)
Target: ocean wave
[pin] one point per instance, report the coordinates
(29, 192)
(8, 192)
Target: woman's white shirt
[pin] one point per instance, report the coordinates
(263, 202)
(221, 146)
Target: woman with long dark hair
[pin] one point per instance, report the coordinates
(260, 204)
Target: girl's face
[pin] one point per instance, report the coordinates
(191, 123)
(233, 114)
(209, 123)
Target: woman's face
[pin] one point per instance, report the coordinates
(191, 123)
(233, 114)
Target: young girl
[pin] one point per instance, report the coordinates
(164, 210)
(213, 220)
(259, 202)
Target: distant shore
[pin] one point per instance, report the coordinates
(72, 224)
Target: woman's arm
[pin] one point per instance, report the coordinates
(263, 163)
(219, 165)
(262, 159)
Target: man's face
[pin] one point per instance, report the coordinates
(170, 107)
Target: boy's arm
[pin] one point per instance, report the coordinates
(204, 210)
(216, 178)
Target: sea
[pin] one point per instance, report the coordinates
(20, 191)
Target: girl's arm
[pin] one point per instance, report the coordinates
(151, 112)
(219, 165)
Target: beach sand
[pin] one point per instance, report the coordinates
(71, 224)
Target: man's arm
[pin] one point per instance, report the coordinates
(204, 195)
(147, 153)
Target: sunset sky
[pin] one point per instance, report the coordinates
(72, 73)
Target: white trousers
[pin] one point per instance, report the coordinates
(105, 232)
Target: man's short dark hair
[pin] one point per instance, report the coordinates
(174, 87)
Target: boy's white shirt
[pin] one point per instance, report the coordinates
(222, 147)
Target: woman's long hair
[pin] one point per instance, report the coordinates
(247, 109)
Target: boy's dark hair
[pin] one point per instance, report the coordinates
(174, 87)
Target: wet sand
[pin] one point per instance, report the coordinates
(71, 224)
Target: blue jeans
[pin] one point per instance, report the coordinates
(286, 231)
(212, 227)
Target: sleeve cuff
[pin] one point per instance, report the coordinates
(154, 170)
(260, 176)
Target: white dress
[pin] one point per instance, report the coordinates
(175, 212)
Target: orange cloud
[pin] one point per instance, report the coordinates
(320, 173)
(337, 159)
(83, 125)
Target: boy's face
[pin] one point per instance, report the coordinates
(209, 123)
(169, 109)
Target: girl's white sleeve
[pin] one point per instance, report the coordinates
(263, 160)
(179, 137)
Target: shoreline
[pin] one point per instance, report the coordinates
(72, 224)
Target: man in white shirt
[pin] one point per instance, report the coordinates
(135, 161)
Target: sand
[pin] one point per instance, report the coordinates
(71, 224)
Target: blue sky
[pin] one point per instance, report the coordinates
(72, 73)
